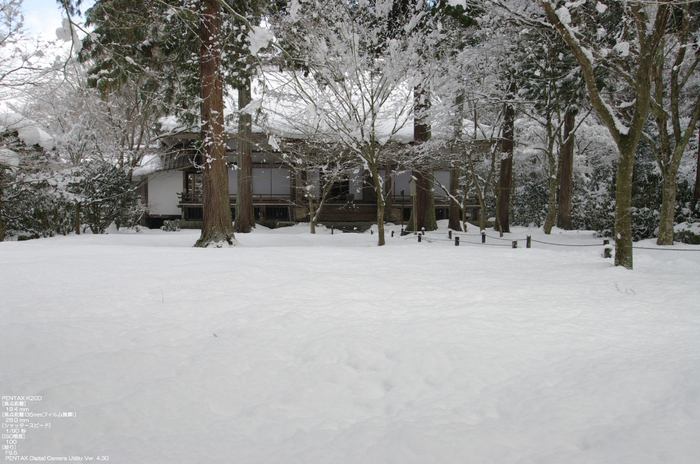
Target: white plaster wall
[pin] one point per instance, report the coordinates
(444, 178)
(163, 190)
(266, 181)
(280, 182)
(401, 182)
(261, 181)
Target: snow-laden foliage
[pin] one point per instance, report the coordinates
(22, 59)
(45, 196)
(352, 72)
(115, 127)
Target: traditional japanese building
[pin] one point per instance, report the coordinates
(172, 189)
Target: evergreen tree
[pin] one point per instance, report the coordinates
(181, 50)
(550, 79)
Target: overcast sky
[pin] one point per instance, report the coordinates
(43, 17)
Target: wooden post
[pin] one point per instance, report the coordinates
(607, 251)
(419, 238)
(529, 242)
(422, 230)
(449, 234)
(483, 237)
(456, 240)
(392, 233)
(515, 244)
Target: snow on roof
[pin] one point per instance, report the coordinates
(150, 163)
(275, 110)
(28, 131)
(171, 125)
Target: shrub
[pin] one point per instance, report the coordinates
(171, 226)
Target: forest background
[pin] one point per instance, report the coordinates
(580, 115)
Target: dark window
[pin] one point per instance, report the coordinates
(277, 212)
(339, 190)
(193, 213)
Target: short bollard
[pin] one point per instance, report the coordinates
(607, 251)
(419, 238)
(422, 230)
(529, 242)
(483, 237)
(449, 234)
(392, 233)
(515, 244)
(456, 240)
(331, 230)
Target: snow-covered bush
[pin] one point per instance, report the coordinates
(45, 196)
(171, 226)
(686, 232)
(33, 202)
(104, 195)
(593, 201)
(529, 202)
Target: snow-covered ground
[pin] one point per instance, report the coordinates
(295, 348)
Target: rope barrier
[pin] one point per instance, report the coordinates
(663, 249)
(462, 234)
(564, 244)
(431, 240)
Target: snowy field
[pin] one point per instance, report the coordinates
(295, 348)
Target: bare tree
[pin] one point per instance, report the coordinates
(359, 84)
(643, 26)
(675, 103)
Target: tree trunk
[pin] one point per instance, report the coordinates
(668, 208)
(567, 172)
(388, 187)
(423, 215)
(505, 179)
(552, 211)
(696, 191)
(217, 226)
(245, 212)
(76, 218)
(554, 179)
(374, 172)
(381, 241)
(623, 205)
(455, 210)
(2, 222)
(430, 219)
(420, 213)
(312, 215)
